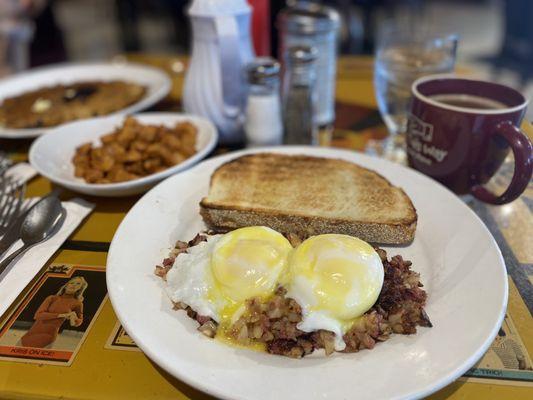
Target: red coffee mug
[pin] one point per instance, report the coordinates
(459, 133)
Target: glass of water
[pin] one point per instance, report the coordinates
(405, 53)
(16, 32)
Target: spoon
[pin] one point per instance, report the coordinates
(38, 226)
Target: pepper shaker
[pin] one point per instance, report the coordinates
(314, 25)
(299, 99)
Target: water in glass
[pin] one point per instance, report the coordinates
(396, 68)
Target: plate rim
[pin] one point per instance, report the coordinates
(428, 389)
(143, 103)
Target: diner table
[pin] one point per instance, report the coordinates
(107, 364)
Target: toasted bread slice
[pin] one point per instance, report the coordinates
(308, 196)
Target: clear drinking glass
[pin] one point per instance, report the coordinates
(16, 32)
(405, 53)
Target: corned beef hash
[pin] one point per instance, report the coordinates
(256, 288)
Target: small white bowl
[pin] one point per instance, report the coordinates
(51, 154)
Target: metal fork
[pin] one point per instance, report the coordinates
(5, 163)
(11, 200)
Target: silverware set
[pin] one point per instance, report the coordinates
(5, 163)
(33, 224)
(11, 200)
(39, 223)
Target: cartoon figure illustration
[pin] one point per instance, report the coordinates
(67, 304)
(509, 352)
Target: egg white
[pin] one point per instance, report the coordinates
(190, 278)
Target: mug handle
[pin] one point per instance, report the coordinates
(523, 160)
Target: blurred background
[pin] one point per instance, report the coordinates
(496, 36)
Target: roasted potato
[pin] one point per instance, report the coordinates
(133, 151)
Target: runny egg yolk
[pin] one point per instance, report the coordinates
(245, 263)
(336, 279)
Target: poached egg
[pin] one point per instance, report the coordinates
(335, 279)
(216, 277)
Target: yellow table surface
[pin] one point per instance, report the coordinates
(98, 372)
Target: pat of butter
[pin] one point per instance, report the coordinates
(70, 92)
(41, 105)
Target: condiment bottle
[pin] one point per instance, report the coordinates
(299, 105)
(314, 25)
(214, 85)
(263, 125)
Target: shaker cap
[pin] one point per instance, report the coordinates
(308, 18)
(302, 54)
(262, 69)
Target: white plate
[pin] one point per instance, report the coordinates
(51, 154)
(156, 81)
(459, 261)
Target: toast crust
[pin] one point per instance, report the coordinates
(223, 220)
(388, 215)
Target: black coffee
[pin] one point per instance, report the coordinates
(469, 101)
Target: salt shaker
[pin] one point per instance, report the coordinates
(315, 25)
(263, 125)
(299, 100)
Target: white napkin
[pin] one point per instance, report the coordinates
(21, 272)
(21, 172)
